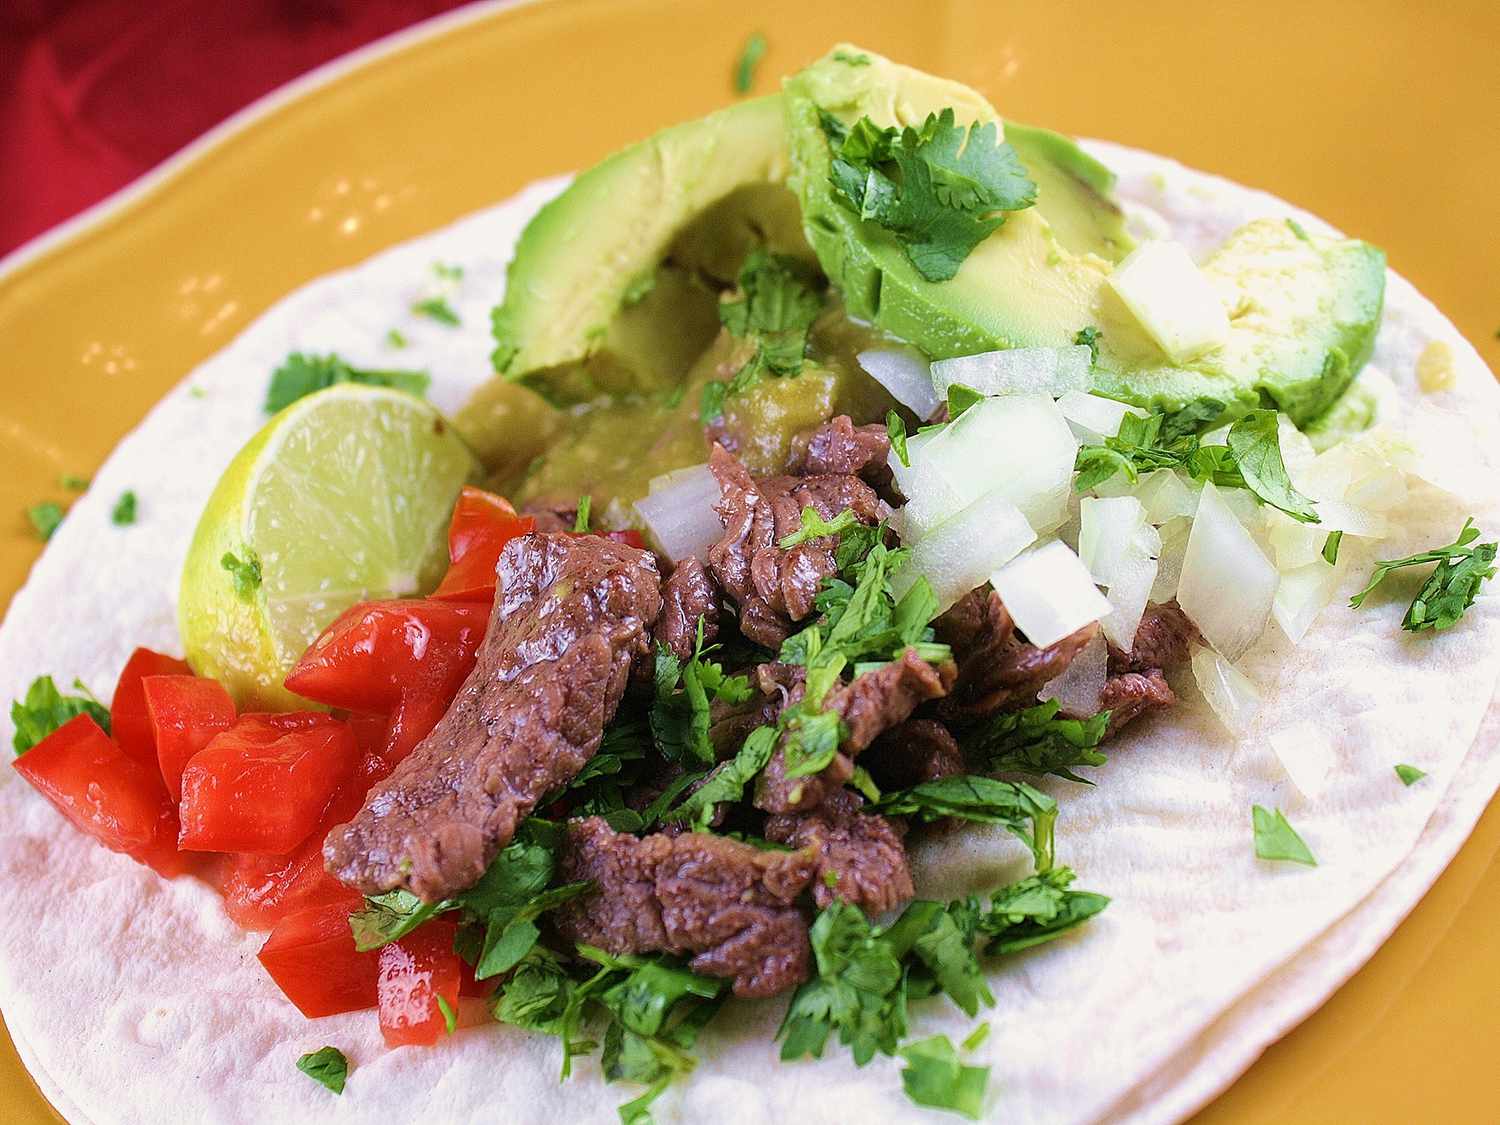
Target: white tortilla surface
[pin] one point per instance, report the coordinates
(131, 998)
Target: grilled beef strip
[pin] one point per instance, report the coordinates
(859, 856)
(916, 751)
(729, 905)
(687, 595)
(839, 446)
(572, 615)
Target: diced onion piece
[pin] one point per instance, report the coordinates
(1227, 690)
(680, 514)
(905, 373)
(1297, 450)
(1336, 515)
(1228, 585)
(1017, 444)
(963, 551)
(1302, 594)
(1049, 593)
(932, 502)
(1174, 539)
(1094, 417)
(1293, 543)
(1165, 496)
(1128, 595)
(1307, 755)
(1013, 371)
(1171, 299)
(1079, 688)
(1109, 535)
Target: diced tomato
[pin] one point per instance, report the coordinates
(482, 525)
(311, 957)
(263, 785)
(106, 793)
(128, 721)
(185, 712)
(414, 972)
(404, 659)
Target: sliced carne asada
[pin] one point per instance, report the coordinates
(775, 586)
(868, 705)
(687, 596)
(572, 615)
(916, 751)
(997, 668)
(728, 905)
(860, 857)
(1163, 640)
(1132, 694)
(839, 446)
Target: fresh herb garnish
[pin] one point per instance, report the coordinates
(244, 573)
(585, 510)
(1331, 547)
(123, 513)
(396, 338)
(1256, 444)
(933, 1076)
(1027, 813)
(727, 782)
(1035, 740)
(448, 272)
(744, 67)
(941, 189)
(976, 1037)
(302, 374)
(1409, 775)
(45, 518)
(1276, 839)
(73, 482)
(684, 693)
(438, 309)
(961, 396)
(1452, 586)
(43, 709)
(815, 526)
(1088, 337)
(1035, 911)
(327, 1066)
(895, 429)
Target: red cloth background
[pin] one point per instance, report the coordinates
(95, 92)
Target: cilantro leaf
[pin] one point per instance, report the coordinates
(244, 573)
(438, 309)
(775, 305)
(727, 781)
(895, 429)
(941, 189)
(1035, 911)
(327, 1066)
(537, 994)
(685, 693)
(815, 526)
(45, 518)
(976, 1037)
(450, 1017)
(123, 513)
(73, 482)
(1256, 444)
(1035, 740)
(1276, 839)
(1331, 547)
(44, 709)
(744, 67)
(961, 396)
(1452, 586)
(934, 1077)
(391, 916)
(585, 510)
(1163, 440)
(1089, 337)
(1027, 813)
(1409, 775)
(302, 373)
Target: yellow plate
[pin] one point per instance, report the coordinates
(1379, 116)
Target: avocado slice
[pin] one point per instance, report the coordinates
(595, 301)
(1303, 309)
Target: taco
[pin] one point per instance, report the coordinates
(894, 583)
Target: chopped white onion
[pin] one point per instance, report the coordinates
(1228, 585)
(1336, 515)
(963, 551)
(1014, 371)
(906, 475)
(1170, 298)
(1094, 417)
(1127, 599)
(1227, 690)
(1293, 543)
(1080, 687)
(1111, 534)
(905, 373)
(1302, 594)
(1165, 496)
(679, 514)
(1049, 593)
(1174, 539)
(1306, 753)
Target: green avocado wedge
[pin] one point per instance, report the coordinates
(1303, 309)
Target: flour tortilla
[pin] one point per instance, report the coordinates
(127, 994)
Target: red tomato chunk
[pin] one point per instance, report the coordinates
(185, 713)
(128, 721)
(105, 793)
(311, 957)
(414, 972)
(482, 525)
(262, 785)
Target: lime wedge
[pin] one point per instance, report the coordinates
(343, 497)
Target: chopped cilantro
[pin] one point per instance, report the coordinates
(685, 691)
(934, 1077)
(1034, 911)
(849, 59)
(1035, 740)
(961, 396)
(72, 482)
(581, 520)
(976, 1037)
(450, 1017)
(727, 782)
(815, 526)
(1255, 443)
(776, 302)
(45, 518)
(1452, 586)
(1296, 228)
(1160, 441)
(895, 429)
(43, 709)
(197, 392)
(941, 189)
(438, 309)
(1409, 775)
(1276, 839)
(1089, 337)
(1331, 547)
(302, 373)
(711, 401)
(244, 573)
(327, 1066)
(1027, 813)
(396, 338)
(124, 510)
(744, 66)
(448, 272)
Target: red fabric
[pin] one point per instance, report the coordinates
(95, 92)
